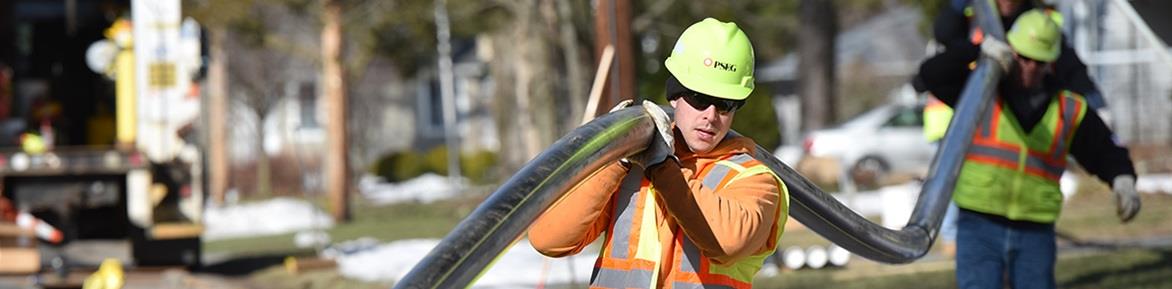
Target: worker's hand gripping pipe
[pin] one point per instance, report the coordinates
(502, 218)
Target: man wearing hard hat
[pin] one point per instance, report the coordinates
(1007, 189)
(694, 209)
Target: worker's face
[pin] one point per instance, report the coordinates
(703, 120)
(1006, 7)
(1030, 71)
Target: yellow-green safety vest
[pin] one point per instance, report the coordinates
(1011, 173)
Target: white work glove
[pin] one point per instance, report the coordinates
(998, 51)
(1126, 197)
(662, 142)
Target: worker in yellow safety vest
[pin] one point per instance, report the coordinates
(1007, 189)
(937, 115)
(693, 210)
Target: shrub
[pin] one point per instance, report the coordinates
(478, 166)
(405, 165)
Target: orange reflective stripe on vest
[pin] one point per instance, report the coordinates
(618, 267)
(988, 148)
(1008, 158)
(976, 36)
(622, 263)
(692, 271)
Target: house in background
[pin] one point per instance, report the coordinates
(389, 112)
(1125, 47)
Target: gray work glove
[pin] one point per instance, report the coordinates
(662, 142)
(1126, 197)
(998, 51)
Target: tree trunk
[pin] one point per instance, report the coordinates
(816, 62)
(337, 163)
(505, 104)
(264, 179)
(531, 140)
(524, 108)
(575, 71)
(217, 113)
(532, 80)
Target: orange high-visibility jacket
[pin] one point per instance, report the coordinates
(717, 216)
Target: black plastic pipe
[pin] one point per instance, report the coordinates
(502, 218)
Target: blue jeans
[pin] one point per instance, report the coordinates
(988, 247)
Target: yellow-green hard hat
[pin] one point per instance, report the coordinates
(713, 58)
(1035, 36)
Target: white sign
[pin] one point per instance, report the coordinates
(162, 77)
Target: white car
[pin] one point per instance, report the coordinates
(886, 139)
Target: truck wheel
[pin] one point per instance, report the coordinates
(169, 252)
(869, 171)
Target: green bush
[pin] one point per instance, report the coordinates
(478, 166)
(399, 166)
(436, 160)
(405, 165)
(383, 167)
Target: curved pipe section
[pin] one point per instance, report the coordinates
(829, 218)
(502, 218)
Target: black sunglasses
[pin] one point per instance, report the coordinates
(701, 101)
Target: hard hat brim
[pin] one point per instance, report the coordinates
(696, 83)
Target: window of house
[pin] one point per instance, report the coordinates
(307, 94)
(435, 104)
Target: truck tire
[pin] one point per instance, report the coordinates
(185, 252)
(868, 172)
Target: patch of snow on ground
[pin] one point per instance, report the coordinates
(424, 189)
(522, 267)
(274, 216)
(519, 267)
(386, 262)
(1154, 183)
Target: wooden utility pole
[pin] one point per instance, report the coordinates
(217, 114)
(816, 62)
(612, 26)
(337, 163)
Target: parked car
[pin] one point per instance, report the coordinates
(886, 139)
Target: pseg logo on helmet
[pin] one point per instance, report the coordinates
(708, 62)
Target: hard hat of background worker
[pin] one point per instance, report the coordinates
(714, 58)
(1035, 36)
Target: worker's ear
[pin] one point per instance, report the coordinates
(673, 102)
